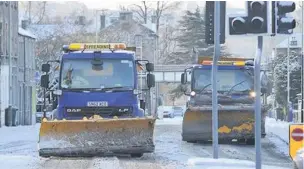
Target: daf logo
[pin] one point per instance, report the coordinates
(73, 110)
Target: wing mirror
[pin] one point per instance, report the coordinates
(183, 78)
(46, 67)
(150, 80)
(44, 81)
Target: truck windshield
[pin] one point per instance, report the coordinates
(238, 79)
(80, 74)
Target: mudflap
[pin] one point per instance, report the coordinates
(96, 137)
(235, 122)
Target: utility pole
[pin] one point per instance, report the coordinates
(288, 76)
(96, 31)
(302, 66)
(10, 54)
(217, 53)
(29, 9)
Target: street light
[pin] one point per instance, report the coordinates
(96, 23)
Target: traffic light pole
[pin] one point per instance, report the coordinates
(257, 89)
(217, 52)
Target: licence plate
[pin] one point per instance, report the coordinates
(97, 104)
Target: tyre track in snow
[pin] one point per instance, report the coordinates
(19, 148)
(170, 153)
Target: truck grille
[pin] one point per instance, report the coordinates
(102, 111)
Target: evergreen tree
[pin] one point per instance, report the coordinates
(192, 36)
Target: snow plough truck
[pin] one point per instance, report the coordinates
(99, 111)
(235, 100)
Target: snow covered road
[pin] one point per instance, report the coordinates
(18, 149)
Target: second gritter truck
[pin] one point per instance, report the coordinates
(235, 101)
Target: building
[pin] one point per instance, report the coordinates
(133, 34)
(14, 61)
(8, 26)
(293, 42)
(25, 95)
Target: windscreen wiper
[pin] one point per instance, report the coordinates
(117, 88)
(231, 89)
(204, 88)
(81, 89)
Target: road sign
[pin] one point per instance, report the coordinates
(297, 134)
(296, 141)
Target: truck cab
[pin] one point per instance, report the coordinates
(236, 97)
(99, 79)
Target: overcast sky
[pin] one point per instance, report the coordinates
(114, 4)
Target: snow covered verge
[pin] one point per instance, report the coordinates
(19, 133)
(222, 163)
(18, 147)
(278, 133)
(278, 128)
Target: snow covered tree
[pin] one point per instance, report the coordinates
(280, 75)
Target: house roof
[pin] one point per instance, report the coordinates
(26, 33)
(295, 41)
(145, 27)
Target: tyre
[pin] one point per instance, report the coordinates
(250, 141)
(137, 155)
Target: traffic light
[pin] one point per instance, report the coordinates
(257, 17)
(209, 22)
(255, 22)
(281, 23)
(238, 25)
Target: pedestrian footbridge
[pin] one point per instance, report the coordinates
(169, 73)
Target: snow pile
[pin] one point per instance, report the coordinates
(221, 163)
(278, 128)
(170, 121)
(19, 162)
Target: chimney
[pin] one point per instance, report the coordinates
(24, 24)
(125, 16)
(102, 21)
(113, 19)
(81, 20)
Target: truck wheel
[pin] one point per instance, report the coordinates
(137, 155)
(250, 141)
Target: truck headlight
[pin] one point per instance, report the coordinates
(252, 94)
(192, 93)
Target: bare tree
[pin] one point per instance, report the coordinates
(158, 9)
(161, 8)
(142, 10)
(167, 44)
(36, 11)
